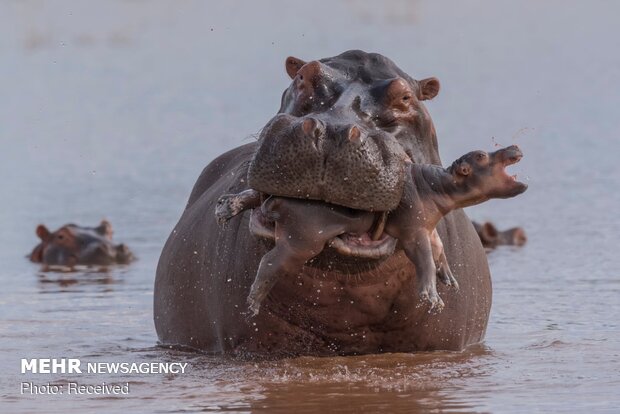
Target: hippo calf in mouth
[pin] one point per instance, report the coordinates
(345, 132)
(73, 245)
(301, 229)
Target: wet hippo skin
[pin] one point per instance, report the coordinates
(336, 303)
(301, 229)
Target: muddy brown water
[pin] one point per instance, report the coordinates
(111, 110)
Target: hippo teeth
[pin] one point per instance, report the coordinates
(514, 177)
(379, 225)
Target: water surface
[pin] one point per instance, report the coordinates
(112, 110)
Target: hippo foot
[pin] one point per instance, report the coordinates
(253, 306)
(431, 297)
(446, 277)
(228, 206)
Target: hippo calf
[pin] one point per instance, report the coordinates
(73, 245)
(303, 228)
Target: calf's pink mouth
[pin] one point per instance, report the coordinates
(510, 159)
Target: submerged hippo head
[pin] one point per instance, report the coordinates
(491, 237)
(345, 130)
(73, 245)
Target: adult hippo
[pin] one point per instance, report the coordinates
(346, 128)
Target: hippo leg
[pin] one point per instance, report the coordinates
(229, 205)
(420, 252)
(280, 260)
(293, 248)
(302, 229)
(444, 273)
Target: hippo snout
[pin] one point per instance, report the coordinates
(320, 158)
(509, 155)
(314, 130)
(107, 253)
(513, 237)
(123, 254)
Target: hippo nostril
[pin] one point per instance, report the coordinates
(514, 151)
(308, 125)
(354, 134)
(357, 108)
(313, 128)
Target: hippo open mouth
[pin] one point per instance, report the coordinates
(507, 157)
(510, 158)
(374, 244)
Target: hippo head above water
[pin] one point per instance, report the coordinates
(346, 127)
(73, 245)
(483, 176)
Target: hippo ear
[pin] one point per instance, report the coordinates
(293, 65)
(105, 229)
(488, 232)
(429, 88)
(43, 233)
(463, 169)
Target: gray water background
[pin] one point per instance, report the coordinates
(111, 109)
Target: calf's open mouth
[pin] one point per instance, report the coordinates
(511, 158)
(374, 244)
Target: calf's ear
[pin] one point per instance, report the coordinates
(43, 233)
(428, 88)
(293, 65)
(463, 169)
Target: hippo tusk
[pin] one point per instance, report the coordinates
(380, 225)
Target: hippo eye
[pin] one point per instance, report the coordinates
(480, 156)
(386, 121)
(306, 107)
(406, 98)
(60, 237)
